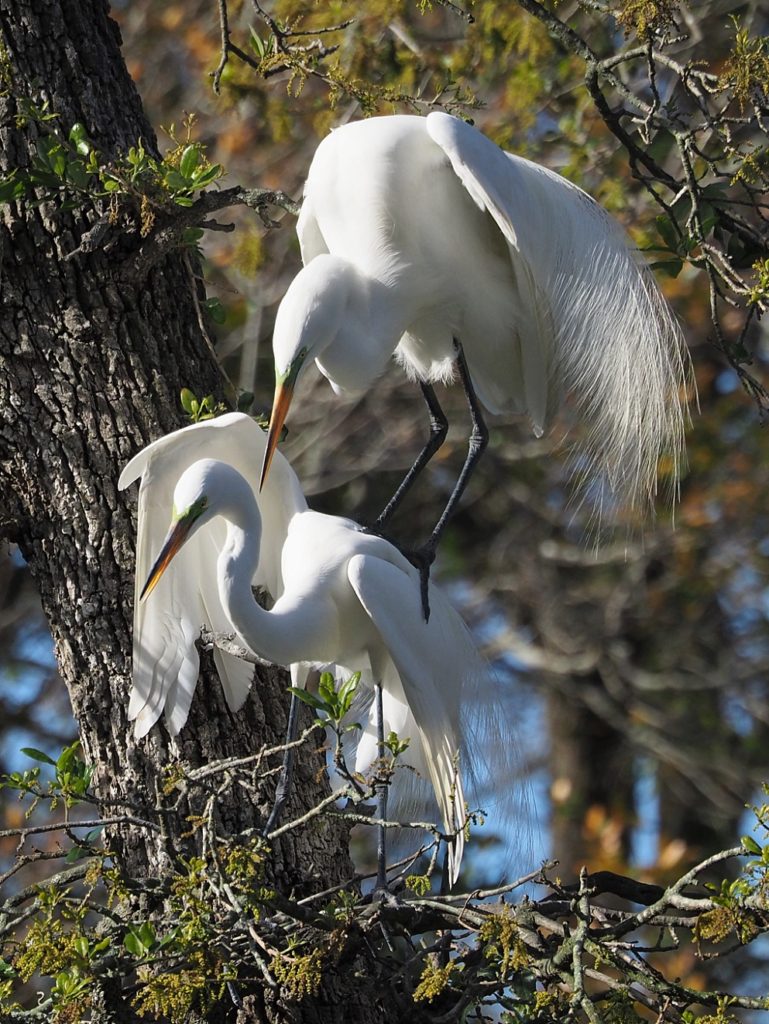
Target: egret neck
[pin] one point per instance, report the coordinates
(291, 631)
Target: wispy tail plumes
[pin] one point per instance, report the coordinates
(617, 347)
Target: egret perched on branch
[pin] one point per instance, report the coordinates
(421, 237)
(165, 659)
(351, 600)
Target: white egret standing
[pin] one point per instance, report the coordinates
(350, 599)
(165, 659)
(421, 237)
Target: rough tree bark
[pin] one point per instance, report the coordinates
(91, 370)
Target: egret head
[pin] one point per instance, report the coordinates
(307, 322)
(200, 494)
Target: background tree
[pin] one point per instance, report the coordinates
(651, 657)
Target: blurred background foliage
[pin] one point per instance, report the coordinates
(637, 666)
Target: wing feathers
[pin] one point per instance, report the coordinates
(166, 626)
(431, 686)
(597, 323)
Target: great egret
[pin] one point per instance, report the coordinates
(350, 599)
(165, 659)
(421, 237)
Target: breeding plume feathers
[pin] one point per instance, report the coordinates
(595, 307)
(446, 238)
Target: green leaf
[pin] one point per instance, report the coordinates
(347, 692)
(11, 188)
(258, 45)
(671, 268)
(64, 760)
(38, 755)
(683, 207)
(709, 217)
(79, 139)
(205, 177)
(132, 944)
(667, 232)
(215, 310)
(186, 397)
(77, 174)
(189, 160)
(714, 191)
(751, 845)
(308, 698)
(326, 688)
(170, 938)
(39, 176)
(174, 180)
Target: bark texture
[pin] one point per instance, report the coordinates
(90, 371)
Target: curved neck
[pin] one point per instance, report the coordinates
(292, 631)
(369, 332)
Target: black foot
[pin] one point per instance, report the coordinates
(283, 787)
(281, 795)
(376, 530)
(422, 558)
(391, 894)
(378, 526)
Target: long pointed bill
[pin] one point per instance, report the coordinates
(284, 392)
(176, 537)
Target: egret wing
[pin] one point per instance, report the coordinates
(165, 660)
(311, 240)
(494, 183)
(599, 325)
(430, 677)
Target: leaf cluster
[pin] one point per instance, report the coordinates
(213, 918)
(70, 782)
(69, 169)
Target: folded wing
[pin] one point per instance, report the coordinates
(165, 659)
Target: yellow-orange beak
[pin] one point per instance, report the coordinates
(281, 402)
(176, 537)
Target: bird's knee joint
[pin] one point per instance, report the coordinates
(478, 439)
(439, 429)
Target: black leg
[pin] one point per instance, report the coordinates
(424, 557)
(438, 427)
(479, 438)
(284, 782)
(381, 851)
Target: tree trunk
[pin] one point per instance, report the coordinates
(92, 367)
(592, 788)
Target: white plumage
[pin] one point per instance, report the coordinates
(416, 232)
(350, 601)
(165, 660)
